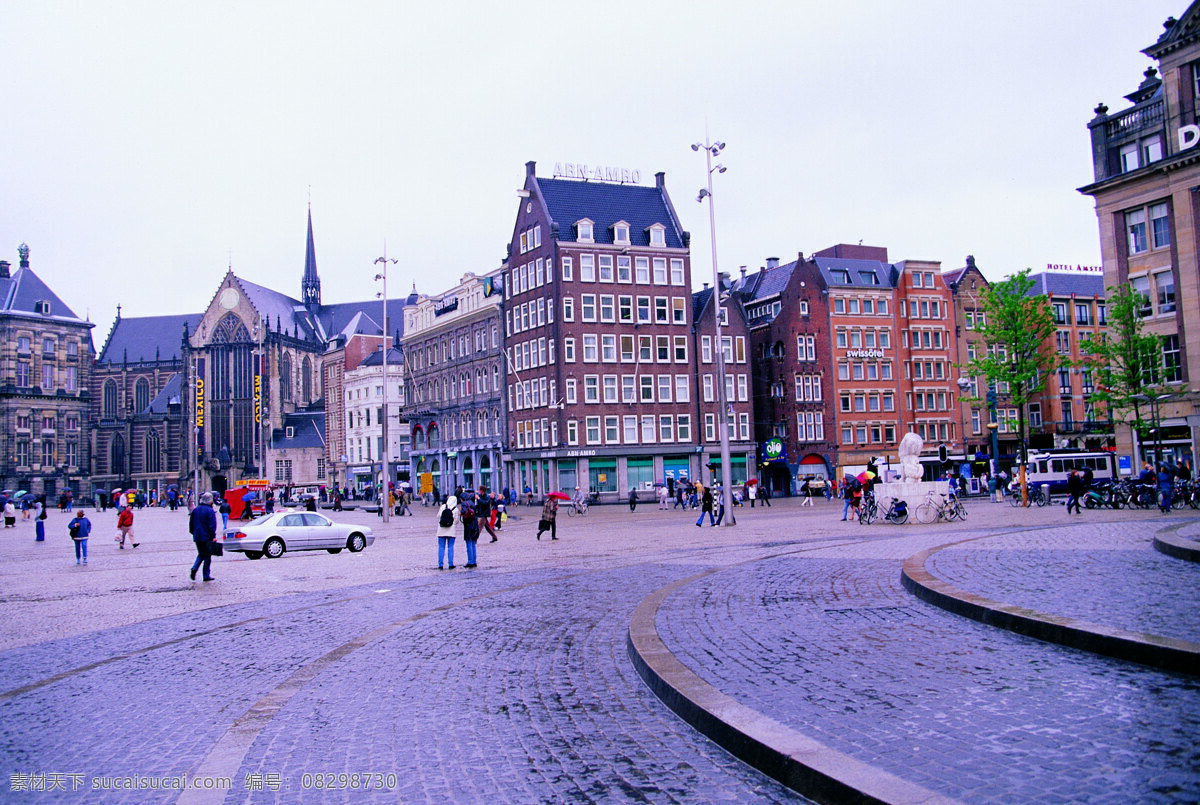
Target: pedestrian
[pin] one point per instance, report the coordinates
(632, 499)
(764, 494)
(856, 496)
(79, 530)
(337, 501)
(847, 494)
(486, 512)
(202, 525)
(26, 507)
(10, 514)
(806, 492)
(445, 531)
(528, 495)
(706, 505)
(125, 527)
(1074, 491)
(719, 501)
(549, 516)
(225, 510)
(470, 523)
(662, 498)
(1166, 482)
(752, 493)
(405, 503)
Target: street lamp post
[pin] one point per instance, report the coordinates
(384, 453)
(1154, 400)
(712, 149)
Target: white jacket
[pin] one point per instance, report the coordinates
(452, 529)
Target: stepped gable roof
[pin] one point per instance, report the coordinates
(147, 338)
(831, 268)
(604, 204)
(308, 430)
(1053, 283)
(20, 293)
(171, 394)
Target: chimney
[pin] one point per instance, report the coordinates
(660, 180)
(4, 270)
(772, 262)
(530, 169)
(743, 270)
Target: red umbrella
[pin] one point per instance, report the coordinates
(559, 495)
(752, 482)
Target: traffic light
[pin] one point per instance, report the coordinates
(943, 456)
(991, 398)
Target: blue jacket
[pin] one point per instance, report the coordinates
(85, 527)
(203, 523)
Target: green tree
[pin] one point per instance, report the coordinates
(1127, 361)
(1019, 351)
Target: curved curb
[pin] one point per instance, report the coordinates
(799, 762)
(1167, 653)
(1176, 546)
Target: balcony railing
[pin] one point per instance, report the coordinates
(1137, 119)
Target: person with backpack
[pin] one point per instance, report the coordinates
(445, 532)
(851, 487)
(470, 523)
(79, 530)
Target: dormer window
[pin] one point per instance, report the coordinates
(584, 232)
(42, 306)
(621, 233)
(658, 235)
(289, 432)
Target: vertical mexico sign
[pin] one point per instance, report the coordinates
(199, 407)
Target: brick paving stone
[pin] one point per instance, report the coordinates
(837, 650)
(1103, 573)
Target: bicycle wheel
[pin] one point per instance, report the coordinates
(1040, 499)
(1014, 500)
(899, 519)
(962, 510)
(926, 513)
(870, 513)
(1178, 501)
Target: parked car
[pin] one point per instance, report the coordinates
(273, 534)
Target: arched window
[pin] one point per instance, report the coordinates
(141, 395)
(110, 399)
(285, 377)
(418, 438)
(306, 381)
(435, 436)
(116, 456)
(496, 421)
(495, 378)
(153, 457)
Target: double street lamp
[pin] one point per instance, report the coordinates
(712, 149)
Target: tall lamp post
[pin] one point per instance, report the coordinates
(712, 149)
(385, 453)
(1154, 400)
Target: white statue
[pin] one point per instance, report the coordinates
(910, 457)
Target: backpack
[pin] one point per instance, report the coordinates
(468, 515)
(446, 519)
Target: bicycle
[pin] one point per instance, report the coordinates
(1034, 492)
(577, 507)
(897, 512)
(868, 509)
(946, 509)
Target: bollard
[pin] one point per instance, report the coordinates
(1046, 493)
(39, 527)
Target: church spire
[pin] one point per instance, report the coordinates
(310, 286)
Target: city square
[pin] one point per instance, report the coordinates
(375, 677)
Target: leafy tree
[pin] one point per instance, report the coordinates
(1127, 361)
(1019, 351)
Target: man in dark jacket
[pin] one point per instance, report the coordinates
(1074, 491)
(202, 523)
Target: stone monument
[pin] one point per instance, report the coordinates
(910, 488)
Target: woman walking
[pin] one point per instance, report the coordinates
(706, 505)
(549, 514)
(125, 527)
(445, 532)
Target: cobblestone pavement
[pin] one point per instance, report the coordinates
(1106, 565)
(511, 683)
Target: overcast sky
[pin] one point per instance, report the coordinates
(145, 146)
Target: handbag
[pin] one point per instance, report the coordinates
(215, 548)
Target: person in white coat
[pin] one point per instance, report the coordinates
(446, 533)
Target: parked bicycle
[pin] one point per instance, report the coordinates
(940, 507)
(897, 513)
(1034, 492)
(868, 509)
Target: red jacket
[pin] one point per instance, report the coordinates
(125, 518)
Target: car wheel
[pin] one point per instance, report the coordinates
(273, 548)
(356, 543)
(334, 550)
(254, 554)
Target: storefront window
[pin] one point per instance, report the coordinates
(602, 475)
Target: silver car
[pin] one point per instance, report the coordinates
(272, 534)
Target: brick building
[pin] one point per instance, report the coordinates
(1146, 170)
(791, 342)
(598, 325)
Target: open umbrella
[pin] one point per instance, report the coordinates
(752, 482)
(21, 494)
(172, 486)
(865, 476)
(250, 496)
(559, 495)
